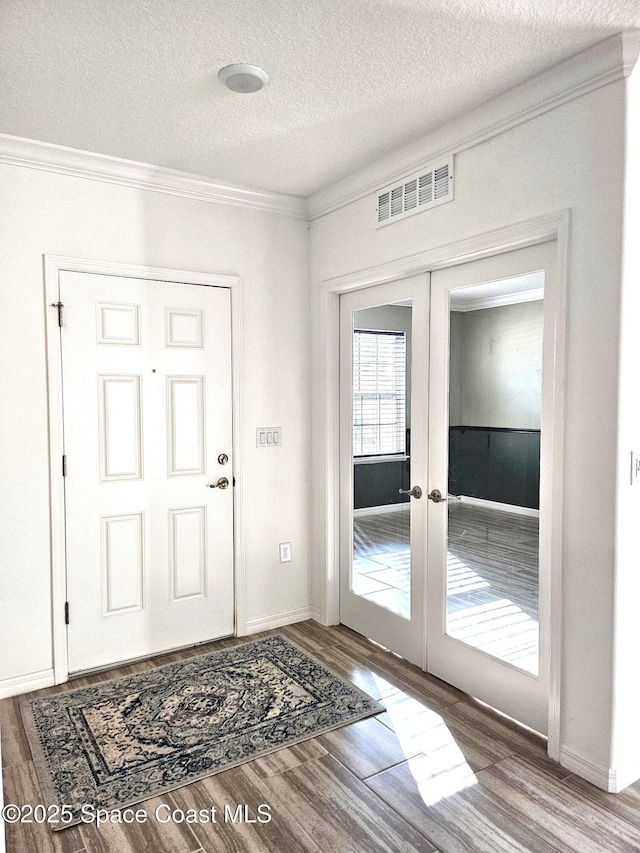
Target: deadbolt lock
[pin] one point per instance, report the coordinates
(223, 459)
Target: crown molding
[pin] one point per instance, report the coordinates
(73, 162)
(604, 63)
(499, 301)
(599, 65)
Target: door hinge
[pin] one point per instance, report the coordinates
(59, 306)
(64, 466)
(66, 613)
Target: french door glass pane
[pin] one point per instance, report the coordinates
(381, 565)
(495, 386)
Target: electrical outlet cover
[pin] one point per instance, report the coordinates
(285, 552)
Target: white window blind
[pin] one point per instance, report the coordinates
(379, 383)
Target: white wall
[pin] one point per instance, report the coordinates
(44, 212)
(567, 157)
(496, 367)
(626, 729)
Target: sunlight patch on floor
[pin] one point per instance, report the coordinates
(434, 758)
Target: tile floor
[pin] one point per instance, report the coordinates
(435, 772)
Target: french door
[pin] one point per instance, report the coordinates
(146, 372)
(467, 555)
(383, 390)
(492, 345)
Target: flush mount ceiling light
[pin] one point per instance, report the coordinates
(240, 77)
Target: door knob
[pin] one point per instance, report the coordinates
(222, 483)
(436, 496)
(415, 492)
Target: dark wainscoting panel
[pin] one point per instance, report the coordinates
(495, 464)
(377, 483)
(492, 463)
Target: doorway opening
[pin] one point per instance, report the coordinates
(425, 638)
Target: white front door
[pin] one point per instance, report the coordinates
(492, 362)
(383, 388)
(146, 371)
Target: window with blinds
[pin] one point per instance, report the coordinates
(379, 392)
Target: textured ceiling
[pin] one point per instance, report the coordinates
(350, 79)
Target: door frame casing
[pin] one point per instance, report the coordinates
(554, 226)
(53, 266)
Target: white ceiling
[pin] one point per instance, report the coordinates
(350, 79)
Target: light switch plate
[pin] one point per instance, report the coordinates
(268, 437)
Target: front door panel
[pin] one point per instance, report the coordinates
(147, 411)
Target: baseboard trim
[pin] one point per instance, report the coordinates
(608, 779)
(380, 510)
(315, 613)
(26, 683)
(516, 510)
(288, 617)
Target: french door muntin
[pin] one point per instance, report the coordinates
(423, 638)
(382, 547)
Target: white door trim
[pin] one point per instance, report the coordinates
(53, 265)
(554, 226)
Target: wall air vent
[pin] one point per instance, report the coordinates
(427, 188)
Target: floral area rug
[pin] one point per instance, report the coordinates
(115, 744)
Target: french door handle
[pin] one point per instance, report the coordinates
(222, 483)
(415, 492)
(436, 496)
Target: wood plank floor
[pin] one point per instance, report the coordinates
(435, 772)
